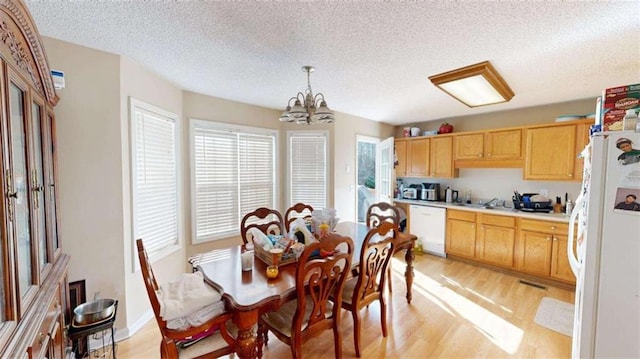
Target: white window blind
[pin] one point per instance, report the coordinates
(233, 173)
(308, 176)
(155, 177)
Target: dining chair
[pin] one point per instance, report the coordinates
(212, 338)
(321, 273)
(268, 221)
(298, 210)
(383, 212)
(368, 286)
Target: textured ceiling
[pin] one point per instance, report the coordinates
(372, 58)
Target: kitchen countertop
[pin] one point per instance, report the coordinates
(555, 217)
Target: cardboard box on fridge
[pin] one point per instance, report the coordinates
(615, 103)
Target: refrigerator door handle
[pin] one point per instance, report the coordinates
(573, 260)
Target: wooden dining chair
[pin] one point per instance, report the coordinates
(319, 279)
(216, 337)
(268, 221)
(368, 286)
(298, 210)
(383, 212)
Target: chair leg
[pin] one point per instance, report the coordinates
(260, 340)
(337, 338)
(356, 330)
(383, 315)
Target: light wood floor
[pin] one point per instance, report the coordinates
(458, 311)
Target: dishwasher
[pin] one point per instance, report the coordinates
(428, 224)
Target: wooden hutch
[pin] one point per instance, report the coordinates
(33, 291)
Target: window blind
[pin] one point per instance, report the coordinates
(233, 174)
(155, 178)
(308, 168)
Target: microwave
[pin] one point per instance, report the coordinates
(410, 193)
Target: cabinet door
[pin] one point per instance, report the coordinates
(20, 196)
(496, 245)
(461, 238)
(38, 119)
(550, 153)
(582, 139)
(442, 157)
(500, 145)
(469, 147)
(401, 155)
(418, 158)
(560, 267)
(537, 252)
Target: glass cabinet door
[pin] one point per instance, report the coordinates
(50, 169)
(37, 180)
(18, 189)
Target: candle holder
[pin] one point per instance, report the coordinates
(272, 270)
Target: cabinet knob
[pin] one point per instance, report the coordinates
(555, 239)
(479, 154)
(488, 154)
(548, 238)
(553, 228)
(570, 175)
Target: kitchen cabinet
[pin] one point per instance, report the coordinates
(418, 157)
(33, 269)
(542, 249)
(496, 239)
(400, 145)
(582, 139)
(461, 233)
(491, 149)
(552, 151)
(441, 162)
(425, 157)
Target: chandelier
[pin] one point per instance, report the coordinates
(307, 108)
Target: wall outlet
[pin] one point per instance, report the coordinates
(544, 192)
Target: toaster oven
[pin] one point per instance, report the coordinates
(410, 193)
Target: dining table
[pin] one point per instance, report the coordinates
(249, 294)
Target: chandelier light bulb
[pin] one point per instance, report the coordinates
(308, 108)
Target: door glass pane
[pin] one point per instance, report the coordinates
(36, 185)
(50, 185)
(20, 186)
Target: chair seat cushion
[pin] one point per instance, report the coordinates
(347, 292)
(201, 346)
(281, 320)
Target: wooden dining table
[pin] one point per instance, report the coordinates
(249, 294)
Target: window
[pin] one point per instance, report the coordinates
(233, 172)
(308, 163)
(154, 153)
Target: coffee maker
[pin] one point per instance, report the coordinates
(432, 191)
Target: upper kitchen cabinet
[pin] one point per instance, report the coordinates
(425, 157)
(33, 269)
(400, 145)
(552, 151)
(418, 157)
(501, 148)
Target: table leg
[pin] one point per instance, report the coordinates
(408, 274)
(247, 338)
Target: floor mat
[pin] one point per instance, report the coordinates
(555, 315)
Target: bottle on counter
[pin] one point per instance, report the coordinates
(557, 208)
(569, 207)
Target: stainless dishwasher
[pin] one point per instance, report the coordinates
(428, 224)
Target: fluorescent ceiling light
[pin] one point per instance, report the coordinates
(475, 85)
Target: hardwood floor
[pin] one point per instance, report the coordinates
(458, 311)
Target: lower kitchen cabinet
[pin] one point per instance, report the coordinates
(496, 238)
(461, 233)
(542, 249)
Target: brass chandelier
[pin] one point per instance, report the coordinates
(308, 108)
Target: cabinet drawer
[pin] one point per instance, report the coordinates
(39, 346)
(544, 226)
(461, 215)
(501, 221)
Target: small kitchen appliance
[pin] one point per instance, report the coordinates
(432, 191)
(410, 193)
(451, 195)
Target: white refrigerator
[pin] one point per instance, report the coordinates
(607, 259)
